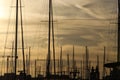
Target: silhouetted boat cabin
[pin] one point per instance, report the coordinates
(115, 71)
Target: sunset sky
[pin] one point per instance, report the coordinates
(80, 23)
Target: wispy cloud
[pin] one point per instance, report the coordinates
(89, 12)
(73, 26)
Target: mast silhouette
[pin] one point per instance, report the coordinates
(49, 32)
(98, 61)
(73, 59)
(29, 60)
(22, 37)
(118, 54)
(68, 63)
(114, 74)
(104, 61)
(50, 26)
(61, 62)
(87, 63)
(53, 39)
(16, 36)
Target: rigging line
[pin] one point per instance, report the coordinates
(24, 17)
(114, 16)
(37, 31)
(58, 40)
(109, 38)
(44, 7)
(56, 17)
(102, 8)
(90, 19)
(114, 7)
(38, 35)
(7, 36)
(40, 32)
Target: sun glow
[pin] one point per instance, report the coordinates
(2, 13)
(3, 10)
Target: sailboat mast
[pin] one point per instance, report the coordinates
(49, 32)
(73, 58)
(22, 37)
(97, 61)
(61, 62)
(118, 54)
(16, 36)
(35, 68)
(12, 59)
(53, 39)
(104, 61)
(29, 58)
(87, 60)
(68, 63)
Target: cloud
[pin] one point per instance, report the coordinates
(103, 8)
(88, 11)
(79, 36)
(84, 9)
(79, 22)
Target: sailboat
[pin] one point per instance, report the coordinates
(14, 75)
(115, 72)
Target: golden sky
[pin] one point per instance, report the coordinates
(79, 22)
